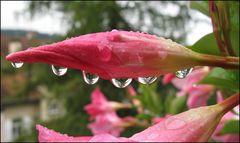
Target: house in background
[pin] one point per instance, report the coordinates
(18, 112)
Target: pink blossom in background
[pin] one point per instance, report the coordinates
(228, 116)
(99, 104)
(131, 90)
(108, 123)
(167, 78)
(197, 94)
(105, 118)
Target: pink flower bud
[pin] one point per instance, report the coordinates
(195, 125)
(46, 135)
(115, 54)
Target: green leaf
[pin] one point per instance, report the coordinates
(169, 98)
(231, 127)
(234, 14)
(233, 7)
(201, 6)
(234, 36)
(150, 99)
(228, 79)
(207, 45)
(144, 116)
(178, 105)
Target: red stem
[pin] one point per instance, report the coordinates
(230, 103)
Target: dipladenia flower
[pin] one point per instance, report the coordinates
(131, 90)
(197, 94)
(101, 105)
(120, 54)
(194, 125)
(109, 123)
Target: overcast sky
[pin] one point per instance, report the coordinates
(52, 25)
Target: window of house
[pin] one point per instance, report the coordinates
(17, 125)
(14, 46)
(53, 109)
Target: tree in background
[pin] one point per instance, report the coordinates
(154, 17)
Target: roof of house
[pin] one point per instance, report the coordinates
(21, 33)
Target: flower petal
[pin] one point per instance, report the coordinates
(46, 135)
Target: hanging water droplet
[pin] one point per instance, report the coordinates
(90, 78)
(121, 82)
(58, 70)
(147, 80)
(17, 64)
(114, 30)
(183, 73)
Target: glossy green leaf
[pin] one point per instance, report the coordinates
(234, 36)
(207, 45)
(178, 104)
(231, 127)
(201, 6)
(169, 98)
(144, 116)
(228, 79)
(234, 14)
(150, 99)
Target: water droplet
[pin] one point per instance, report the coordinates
(90, 78)
(114, 30)
(147, 80)
(17, 64)
(121, 82)
(173, 123)
(58, 70)
(183, 73)
(169, 40)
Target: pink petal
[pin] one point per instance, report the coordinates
(131, 90)
(46, 135)
(199, 95)
(107, 123)
(99, 104)
(167, 78)
(109, 138)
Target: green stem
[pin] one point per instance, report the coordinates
(225, 22)
(218, 61)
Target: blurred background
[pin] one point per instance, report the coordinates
(33, 94)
